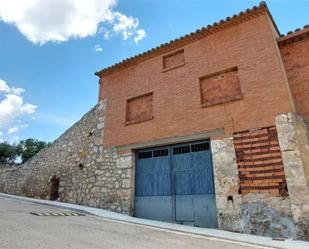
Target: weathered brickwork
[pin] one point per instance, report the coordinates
(173, 60)
(295, 56)
(220, 87)
(259, 162)
(139, 109)
(255, 213)
(177, 109)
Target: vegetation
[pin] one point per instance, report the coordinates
(29, 147)
(25, 150)
(8, 153)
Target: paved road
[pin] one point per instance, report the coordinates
(20, 229)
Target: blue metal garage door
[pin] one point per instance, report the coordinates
(175, 184)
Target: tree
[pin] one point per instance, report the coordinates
(29, 147)
(8, 152)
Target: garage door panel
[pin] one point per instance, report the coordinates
(205, 211)
(153, 177)
(154, 208)
(177, 185)
(154, 185)
(184, 208)
(202, 183)
(183, 183)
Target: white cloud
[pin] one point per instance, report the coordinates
(59, 20)
(125, 25)
(98, 48)
(13, 129)
(12, 107)
(5, 88)
(17, 90)
(16, 128)
(140, 35)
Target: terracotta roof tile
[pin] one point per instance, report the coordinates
(188, 38)
(292, 36)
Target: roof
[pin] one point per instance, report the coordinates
(189, 38)
(292, 36)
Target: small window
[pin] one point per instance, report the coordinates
(160, 153)
(139, 109)
(181, 150)
(220, 87)
(144, 155)
(173, 60)
(199, 147)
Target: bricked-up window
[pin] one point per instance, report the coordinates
(220, 87)
(259, 162)
(173, 60)
(139, 109)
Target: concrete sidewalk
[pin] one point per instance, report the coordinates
(224, 235)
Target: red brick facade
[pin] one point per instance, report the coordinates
(139, 109)
(259, 91)
(237, 75)
(295, 55)
(173, 60)
(259, 162)
(220, 87)
(238, 83)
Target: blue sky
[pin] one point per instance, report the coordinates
(50, 49)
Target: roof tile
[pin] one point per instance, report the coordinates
(188, 38)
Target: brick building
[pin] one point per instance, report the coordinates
(206, 130)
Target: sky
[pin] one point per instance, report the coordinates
(50, 50)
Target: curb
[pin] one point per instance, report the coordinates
(247, 239)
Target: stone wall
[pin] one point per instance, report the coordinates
(94, 176)
(254, 213)
(226, 185)
(294, 145)
(89, 174)
(264, 211)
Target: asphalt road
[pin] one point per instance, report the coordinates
(20, 229)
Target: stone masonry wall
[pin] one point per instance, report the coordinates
(294, 145)
(226, 185)
(254, 213)
(89, 174)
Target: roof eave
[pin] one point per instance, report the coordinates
(297, 35)
(193, 36)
